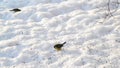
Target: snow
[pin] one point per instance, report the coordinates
(27, 38)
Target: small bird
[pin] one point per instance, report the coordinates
(59, 46)
(16, 10)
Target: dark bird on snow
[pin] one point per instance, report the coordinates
(16, 10)
(59, 46)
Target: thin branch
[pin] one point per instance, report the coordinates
(110, 12)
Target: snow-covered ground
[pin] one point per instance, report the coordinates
(27, 38)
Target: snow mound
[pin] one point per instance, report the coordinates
(27, 38)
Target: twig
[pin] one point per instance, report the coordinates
(110, 13)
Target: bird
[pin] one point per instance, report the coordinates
(59, 46)
(15, 10)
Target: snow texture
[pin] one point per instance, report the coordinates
(27, 38)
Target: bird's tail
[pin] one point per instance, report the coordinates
(64, 43)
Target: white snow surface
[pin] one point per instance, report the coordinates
(27, 38)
